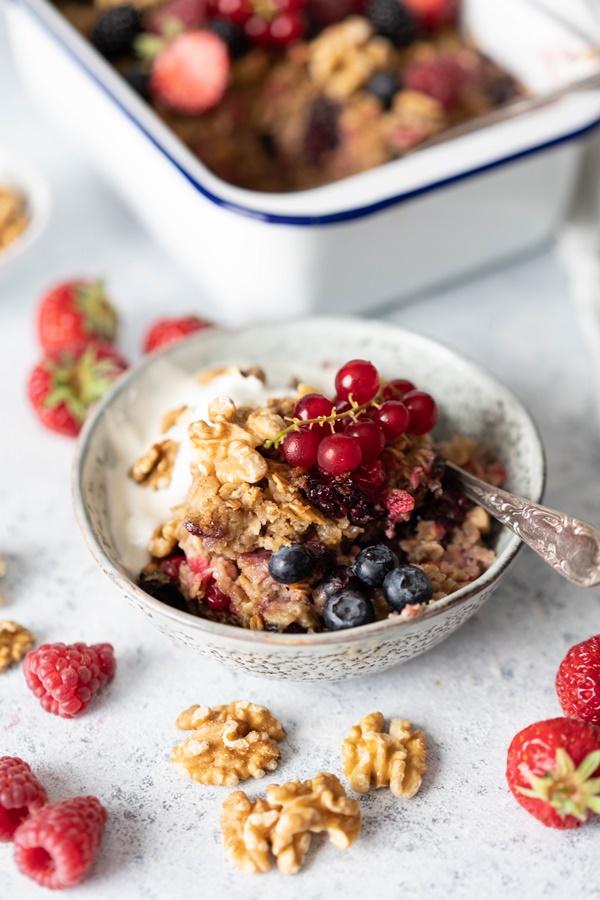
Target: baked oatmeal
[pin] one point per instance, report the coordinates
(295, 512)
(284, 95)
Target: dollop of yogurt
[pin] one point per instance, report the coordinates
(136, 510)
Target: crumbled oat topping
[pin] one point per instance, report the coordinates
(155, 468)
(228, 743)
(285, 822)
(15, 642)
(395, 759)
(14, 217)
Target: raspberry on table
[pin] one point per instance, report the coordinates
(57, 845)
(21, 794)
(66, 676)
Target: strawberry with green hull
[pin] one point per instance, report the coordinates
(553, 771)
(66, 384)
(75, 312)
(578, 681)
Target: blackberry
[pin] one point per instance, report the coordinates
(115, 30)
(139, 80)
(291, 564)
(161, 587)
(340, 496)
(373, 564)
(231, 34)
(322, 133)
(347, 609)
(383, 86)
(406, 585)
(392, 20)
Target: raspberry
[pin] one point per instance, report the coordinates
(56, 846)
(442, 78)
(21, 794)
(66, 676)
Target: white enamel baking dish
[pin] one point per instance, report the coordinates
(379, 236)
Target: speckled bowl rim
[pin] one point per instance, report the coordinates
(264, 639)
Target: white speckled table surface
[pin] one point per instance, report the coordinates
(463, 836)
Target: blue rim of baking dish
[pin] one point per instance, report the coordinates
(347, 215)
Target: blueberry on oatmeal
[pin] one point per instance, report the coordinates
(291, 564)
(347, 609)
(406, 585)
(373, 564)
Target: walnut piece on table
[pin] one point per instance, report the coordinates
(284, 823)
(395, 759)
(228, 743)
(155, 468)
(15, 642)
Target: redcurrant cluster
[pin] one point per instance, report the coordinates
(274, 23)
(350, 432)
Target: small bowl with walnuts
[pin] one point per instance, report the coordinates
(24, 208)
(278, 500)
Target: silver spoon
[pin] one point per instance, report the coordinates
(571, 546)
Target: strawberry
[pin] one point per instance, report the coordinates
(578, 681)
(190, 73)
(553, 770)
(64, 385)
(167, 331)
(434, 13)
(74, 313)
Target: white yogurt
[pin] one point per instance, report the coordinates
(136, 511)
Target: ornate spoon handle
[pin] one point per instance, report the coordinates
(569, 545)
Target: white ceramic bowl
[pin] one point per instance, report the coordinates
(378, 236)
(471, 401)
(28, 181)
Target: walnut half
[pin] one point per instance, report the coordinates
(228, 744)
(285, 821)
(155, 468)
(395, 759)
(15, 642)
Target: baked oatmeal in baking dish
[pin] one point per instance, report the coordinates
(287, 510)
(285, 95)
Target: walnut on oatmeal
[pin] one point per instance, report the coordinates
(15, 642)
(285, 822)
(155, 468)
(228, 743)
(394, 759)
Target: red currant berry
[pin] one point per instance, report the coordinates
(311, 406)
(285, 28)
(300, 448)
(359, 379)
(339, 453)
(370, 476)
(423, 411)
(370, 437)
(216, 599)
(393, 417)
(396, 389)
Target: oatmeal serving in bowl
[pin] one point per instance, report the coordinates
(278, 501)
(307, 513)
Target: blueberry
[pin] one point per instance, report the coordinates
(291, 564)
(373, 564)
(341, 577)
(383, 85)
(347, 609)
(406, 584)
